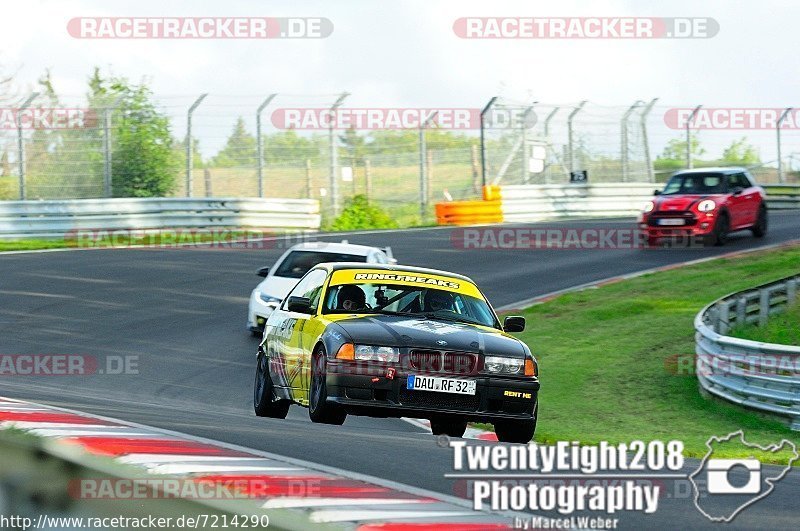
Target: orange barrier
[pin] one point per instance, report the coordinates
(468, 212)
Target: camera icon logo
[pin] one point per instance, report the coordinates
(721, 476)
(724, 487)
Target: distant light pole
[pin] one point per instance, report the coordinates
(21, 145)
(189, 150)
(259, 144)
(778, 132)
(689, 137)
(334, 184)
(423, 167)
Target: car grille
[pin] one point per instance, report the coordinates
(439, 361)
(435, 400)
(688, 217)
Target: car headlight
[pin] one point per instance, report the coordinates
(649, 207)
(706, 206)
(268, 298)
(503, 365)
(373, 353)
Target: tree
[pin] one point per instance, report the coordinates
(239, 150)
(676, 149)
(144, 162)
(740, 153)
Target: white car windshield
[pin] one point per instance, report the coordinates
(298, 263)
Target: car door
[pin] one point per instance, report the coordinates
(738, 205)
(296, 351)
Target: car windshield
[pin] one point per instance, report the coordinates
(695, 183)
(409, 300)
(298, 263)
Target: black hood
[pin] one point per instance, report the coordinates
(408, 331)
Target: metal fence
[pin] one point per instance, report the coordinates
(236, 146)
(757, 375)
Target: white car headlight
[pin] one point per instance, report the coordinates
(503, 365)
(649, 207)
(706, 206)
(373, 353)
(268, 298)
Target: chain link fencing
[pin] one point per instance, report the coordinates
(71, 150)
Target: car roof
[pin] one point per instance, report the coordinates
(715, 169)
(335, 247)
(338, 266)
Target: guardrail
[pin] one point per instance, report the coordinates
(51, 219)
(540, 202)
(761, 376)
(782, 196)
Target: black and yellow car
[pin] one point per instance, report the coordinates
(396, 341)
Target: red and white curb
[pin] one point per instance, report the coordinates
(348, 500)
(471, 433)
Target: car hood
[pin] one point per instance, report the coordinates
(682, 202)
(277, 286)
(402, 331)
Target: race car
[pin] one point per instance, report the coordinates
(396, 341)
(295, 263)
(706, 205)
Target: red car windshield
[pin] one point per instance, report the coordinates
(695, 183)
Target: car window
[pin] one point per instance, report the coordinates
(695, 183)
(310, 286)
(738, 180)
(379, 258)
(410, 300)
(297, 263)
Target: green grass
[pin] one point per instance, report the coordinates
(783, 328)
(607, 358)
(30, 245)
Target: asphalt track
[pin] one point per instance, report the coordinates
(182, 312)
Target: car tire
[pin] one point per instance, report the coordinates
(762, 222)
(319, 409)
(264, 402)
(516, 431)
(719, 236)
(449, 427)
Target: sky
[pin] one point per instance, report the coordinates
(405, 53)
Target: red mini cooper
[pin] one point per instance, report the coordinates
(706, 204)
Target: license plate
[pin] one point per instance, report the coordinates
(670, 221)
(440, 385)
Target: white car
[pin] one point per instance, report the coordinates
(293, 264)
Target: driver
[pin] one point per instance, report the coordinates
(351, 297)
(439, 300)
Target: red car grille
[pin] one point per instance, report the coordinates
(439, 361)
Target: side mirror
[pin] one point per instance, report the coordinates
(263, 272)
(299, 304)
(656, 192)
(738, 190)
(514, 323)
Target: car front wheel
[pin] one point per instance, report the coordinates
(719, 236)
(319, 409)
